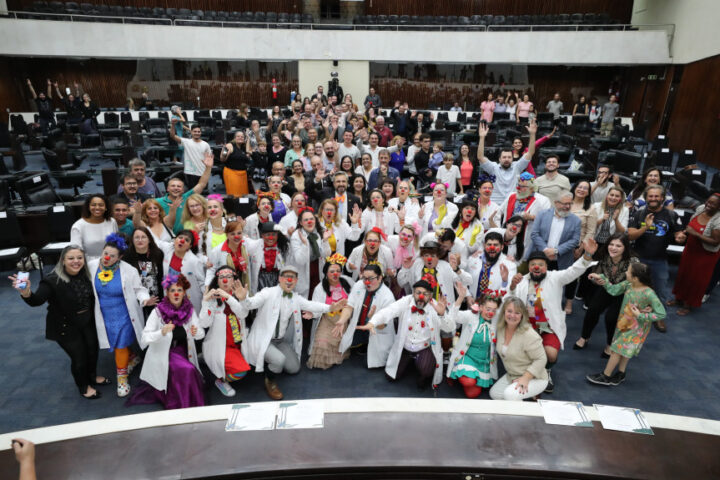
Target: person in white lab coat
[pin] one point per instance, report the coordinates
(438, 213)
(308, 249)
(421, 319)
(371, 251)
(276, 335)
(180, 257)
(171, 372)
(490, 269)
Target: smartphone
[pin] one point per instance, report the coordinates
(22, 280)
(67, 91)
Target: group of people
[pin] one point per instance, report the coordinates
(342, 255)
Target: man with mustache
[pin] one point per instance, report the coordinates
(543, 292)
(524, 202)
(556, 232)
(489, 268)
(421, 319)
(275, 340)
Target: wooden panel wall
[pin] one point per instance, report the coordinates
(694, 121)
(645, 100)
(618, 9)
(10, 96)
(290, 6)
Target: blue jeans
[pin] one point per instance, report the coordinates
(659, 273)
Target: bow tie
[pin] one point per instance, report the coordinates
(340, 199)
(287, 294)
(429, 270)
(414, 309)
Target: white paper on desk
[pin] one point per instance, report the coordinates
(252, 416)
(565, 413)
(56, 245)
(9, 251)
(623, 419)
(697, 171)
(300, 415)
(243, 200)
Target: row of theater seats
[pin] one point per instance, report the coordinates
(164, 15)
(564, 21)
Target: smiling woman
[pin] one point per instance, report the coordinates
(90, 231)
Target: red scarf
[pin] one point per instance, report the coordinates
(511, 205)
(237, 258)
(270, 256)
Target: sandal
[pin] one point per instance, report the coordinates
(672, 302)
(94, 396)
(106, 381)
(683, 311)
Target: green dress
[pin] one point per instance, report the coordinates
(475, 363)
(629, 342)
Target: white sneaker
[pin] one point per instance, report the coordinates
(225, 388)
(705, 298)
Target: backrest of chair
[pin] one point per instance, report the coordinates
(111, 119)
(60, 221)
(36, 190)
(52, 160)
(10, 233)
(112, 138)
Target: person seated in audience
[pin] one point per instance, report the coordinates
(421, 319)
(340, 230)
(378, 215)
(119, 298)
(147, 258)
(439, 213)
(542, 290)
(699, 256)
(371, 252)
(473, 361)
(557, 233)
(521, 350)
(383, 171)
(552, 181)
(640, 308)
(602, 184)
(130, 192)
(146, 185)
(70, 321)
(449, 173)
(456, 107)
(196, 152)
(181, 256)
(525, 203)
(93, 227)
(274, 343)
(224, 346)
(176, 191)
(171, 374)
(490, 269)
(635, 199)
(152, 216)
(505, 171)
(120, 212)
(323, 350)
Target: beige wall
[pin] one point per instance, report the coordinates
(696, 22)
(354, 77)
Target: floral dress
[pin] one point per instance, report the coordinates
(475, 362)
(631, 332)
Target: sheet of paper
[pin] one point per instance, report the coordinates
(565, 413)
(9, 251)
(56, 245)
(623, 419)
(675, 248)
(252, 416)
(300, 415)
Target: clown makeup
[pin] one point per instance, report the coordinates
(468, 213)
(110, 256)
(333, 274)
(235, 237)
(439, 192)
(372, 242)
(403, 190)
(265, 206)
(492, 248)
(328, 213)
(176, 294)
(225, 280)
(275, 184)
(288, 281)
(488, 310)
(430, 260)
(370, 280)
(406, 236)
(421, 297)
(307, 220)
(298, 202)
(74, 261)
(486, 189)
(377, 201)
(270, 239)
(183, 243)
(215, 208)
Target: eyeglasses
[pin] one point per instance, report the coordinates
(288, 277)
(226, 276)
(370, 279)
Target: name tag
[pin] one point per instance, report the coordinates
(665, 150)
(58, 209)
(37, 179)
(689, 152)
(243, 200)
(697, 172)
(661, 137)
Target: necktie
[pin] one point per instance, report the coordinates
(314, 248)
(414, 309)
(365, 307)
(484, 280)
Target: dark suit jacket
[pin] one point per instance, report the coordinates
(569, 239)
(352, 200)
(396, 117)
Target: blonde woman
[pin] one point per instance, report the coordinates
(521, 350)
(152, 216)
(339, 229)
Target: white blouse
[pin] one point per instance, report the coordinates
(91, 236)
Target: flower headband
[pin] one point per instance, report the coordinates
(305, 209)
(496, 295)
(433, 185)
(525, 176)
(215, 196)
(118, 241)
(486, 178)
(415, 227)
(268, 195)
(336, 259)
(170, 280)
(196, 238)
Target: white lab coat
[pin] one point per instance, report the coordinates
(473, 243)
(427, 209)
(155, 366)
(256, 255)
(135, 294)
(393, 244)
(445, 276)
(218, 258)
(470, 322)
(194, 270)
(380, 343)
(344, 232)
(552, 294)
(402, 310)
(267, 302)
(390, 221)
(487, 213)
(384, 257)
(540, 204)
(412, 209)
(459, 247)
(475, 264)
(252, 227)
(300, 258)
(213, 316)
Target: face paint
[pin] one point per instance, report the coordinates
(372, 243)
(490, 314)
(107, 258)
(181, 242)
(225, 280)
(421, 297)
(536, 268)
(334, 275)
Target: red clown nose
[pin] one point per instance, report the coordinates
(367, 283)
(536, 268)
(491, 314)
(225, 280)
(421, 297)
(181, 241)
(107, 257)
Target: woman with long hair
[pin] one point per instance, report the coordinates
(147, 258)
(232, 252)
(69, 322)
(298, 179)
(469, 168)
(323, 350)
(347, 165)
(235, 156)
(296, 151)
(651, 176)
(181, 256)
(372, 252)
(487, 209)
(225, 340)
(265, 207)
(309, 246)
(612, 216)
(94, 226)
(277, 151)
(119, 298)
(513, 238)
(358, 187)
(214, 232)
(378, 215)
(339, 229)
(468, 227)
(583, 209)
(171, 374)
(406, 207)
(438, 213)
(365, 168)
(195, 214)
(152, 216)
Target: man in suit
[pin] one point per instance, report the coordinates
(382, 171)
(317, 178)
(556, 233)
(401, 120)
(338, 191)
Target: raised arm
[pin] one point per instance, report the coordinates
(482, 133)
(49, 88)
(32, 90)
(209, 160)
(532, 129)
(57, 90)
(173, 136)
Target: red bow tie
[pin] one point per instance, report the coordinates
(414, 309)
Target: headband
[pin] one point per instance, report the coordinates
(170, 280)
(118, 241)
(525, 176)
(486, 178)
(379, 231)
(336, 259)
(446, 185)
(215, 196)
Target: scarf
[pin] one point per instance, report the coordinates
(178, 316)
(442, 211)
(511, 205)
(401, 254)
(314, 247)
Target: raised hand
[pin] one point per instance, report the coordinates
(327, 233)
(590, 246)
(532, 126)
(302, 238)
(483, 129)
(504, 272)
(167, 328)
(209, 159)
(461, 290)
(440, 306)
(151, 301)
(454, 260)
(408, 262)
(517, 278)
(25, 292)
(355, 215)
(339, 305)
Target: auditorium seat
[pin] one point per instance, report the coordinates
(65, 174)
(111, 143)
(35, 190)
(11, 239)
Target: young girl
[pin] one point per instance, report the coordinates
(473, 361)
(639, 309)
(450, 173)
